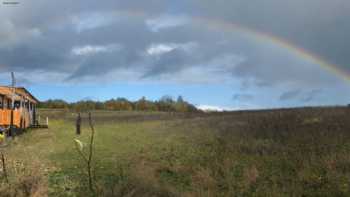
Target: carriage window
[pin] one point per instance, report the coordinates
(9, 104)
(17, 104)
(1, 102)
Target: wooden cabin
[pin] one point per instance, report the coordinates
(17, 106)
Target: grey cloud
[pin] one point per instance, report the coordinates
(290, 95)
(26, 58)
(311, 95)
(170, 62)
(299, 95)
(21, 81)
(323, 31)
(103, 63)
(320, 26)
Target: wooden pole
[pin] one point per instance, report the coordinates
(78, 123)
(4, 167)
(11, 124)
(34, 114)
(12, 104)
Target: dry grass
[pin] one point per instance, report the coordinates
(302, 152)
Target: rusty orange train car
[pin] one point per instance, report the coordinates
(17, 107)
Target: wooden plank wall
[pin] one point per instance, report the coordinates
(5, 118)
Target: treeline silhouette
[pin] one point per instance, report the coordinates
(166, 104)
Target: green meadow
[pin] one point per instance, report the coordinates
(296, 152)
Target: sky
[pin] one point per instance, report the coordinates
(222, 54)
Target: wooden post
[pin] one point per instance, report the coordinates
(47, 121)
(78, 123)
(34, 114)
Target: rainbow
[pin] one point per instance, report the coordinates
(261, 36)
(299, 52)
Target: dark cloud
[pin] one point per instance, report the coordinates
(320, 26)
(27, 58)
(290, 95)
(40, 36)
(299, 95)
(172, 61)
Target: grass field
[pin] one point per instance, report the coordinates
(297, 152)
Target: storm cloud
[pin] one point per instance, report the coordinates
(153, 39)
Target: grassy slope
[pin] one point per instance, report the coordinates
(270, 153)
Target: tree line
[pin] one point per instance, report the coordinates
(166, 104)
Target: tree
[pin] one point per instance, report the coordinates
(180, 105)
(180, 99)
(165, 103)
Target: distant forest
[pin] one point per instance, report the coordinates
(166, 104)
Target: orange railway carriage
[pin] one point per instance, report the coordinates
(23, 110)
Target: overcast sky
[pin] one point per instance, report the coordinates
(210, 52)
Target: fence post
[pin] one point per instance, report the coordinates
(78, 124)
(47, 121)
